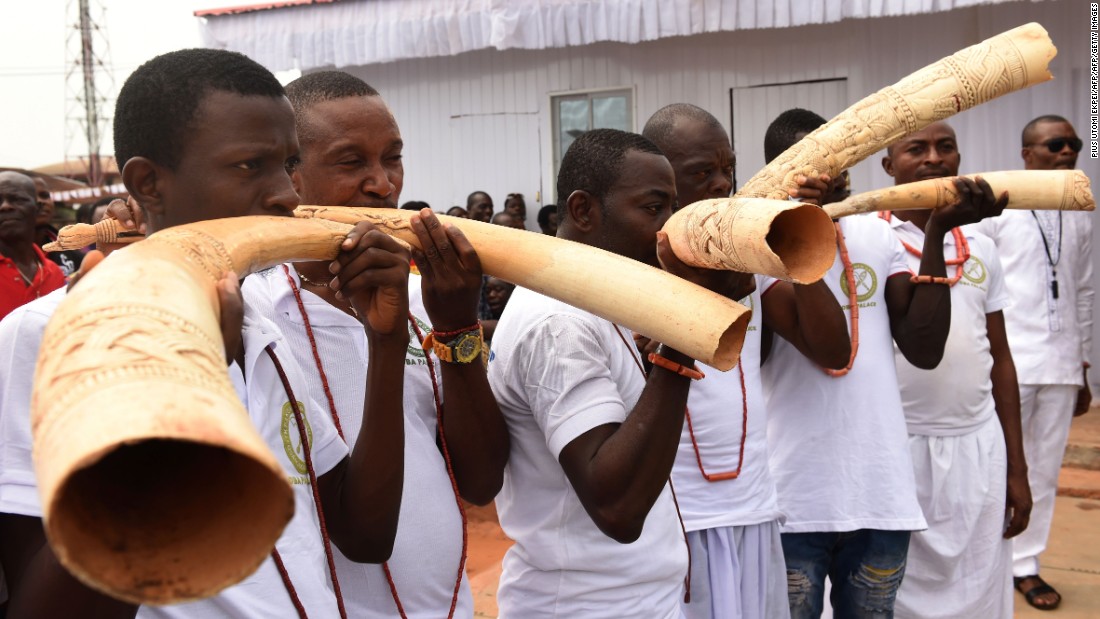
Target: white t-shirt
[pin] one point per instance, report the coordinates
(957, 396)
(1050, 338)
(262, 594)
(839, 446)
(558, 372)
(20, 338)
(428, 546)
(717, 413)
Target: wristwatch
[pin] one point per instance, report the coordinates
(462, 349)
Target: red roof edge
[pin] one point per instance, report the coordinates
(251, 8)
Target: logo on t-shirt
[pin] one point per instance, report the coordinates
(865, 279)
(292, 437)
(974, 270)
(414, 355)
(748, 302)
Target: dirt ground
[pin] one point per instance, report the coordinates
(487, 545)
(1071, 563)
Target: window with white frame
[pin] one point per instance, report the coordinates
(577, 112)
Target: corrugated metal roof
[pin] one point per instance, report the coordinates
(251, 8)
(53, 183)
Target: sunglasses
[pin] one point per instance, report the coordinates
(1057, 144)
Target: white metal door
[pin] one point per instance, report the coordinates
(753, 108)
(499, 154)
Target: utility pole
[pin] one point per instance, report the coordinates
(88, 55)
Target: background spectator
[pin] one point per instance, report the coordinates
(548, 219)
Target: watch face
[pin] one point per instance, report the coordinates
(467, 348)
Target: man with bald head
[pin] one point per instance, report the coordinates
(508, 220)
(1047, 256)
(25, 272)
(726, 494)
(963, 417)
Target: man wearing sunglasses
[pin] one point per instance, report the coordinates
(1050, 144)
(1047, 260)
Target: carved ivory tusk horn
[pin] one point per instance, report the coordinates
(75, 236)
(504, 253)
(789, 240)
(701, 323)
(1054, 190)
(155, 485)
(1002, 64)
(784, 239)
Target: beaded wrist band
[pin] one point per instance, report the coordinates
(672, 366)
(439, 337)
(929, 279)
(442, 335)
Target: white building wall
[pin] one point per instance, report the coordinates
(481, 120)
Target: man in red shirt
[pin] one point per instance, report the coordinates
(25, 272)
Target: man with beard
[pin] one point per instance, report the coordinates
(725, 491)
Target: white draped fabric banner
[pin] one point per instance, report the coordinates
(365, 32)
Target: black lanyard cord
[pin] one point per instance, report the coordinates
(1051, 260)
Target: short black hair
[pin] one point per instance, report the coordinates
(474, 194)
(158, 104)
(780, 134)
(544, 214)
(659, 126)
(314, 88)
(1045, 118)
(594, 162)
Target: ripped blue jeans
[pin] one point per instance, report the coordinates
(865, 569)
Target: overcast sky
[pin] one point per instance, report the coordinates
(33, 62)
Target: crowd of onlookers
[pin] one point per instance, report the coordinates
(479, 206)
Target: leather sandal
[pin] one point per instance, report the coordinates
(1043, 588)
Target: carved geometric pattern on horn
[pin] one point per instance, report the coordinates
(1001, 64)
(126, 344)
(209, 254)
(947, 192)
(1080, 193)
(716, 240)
